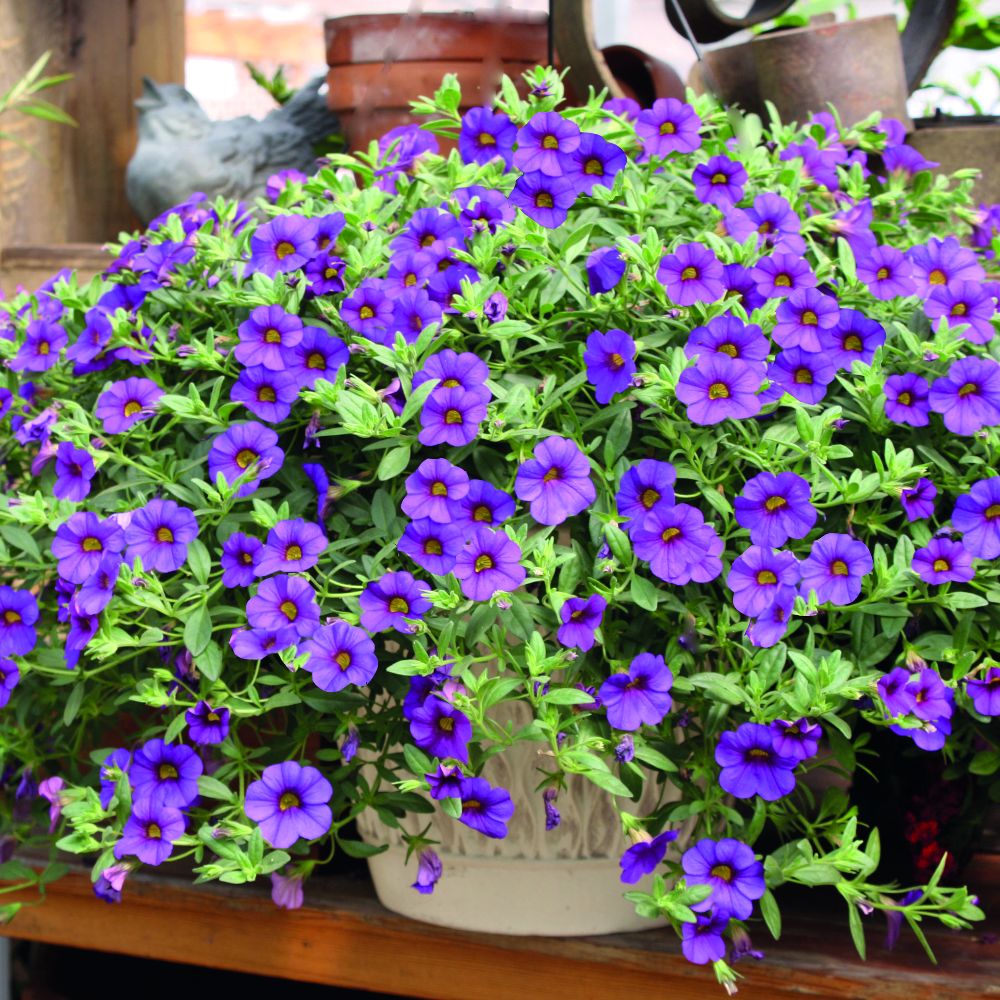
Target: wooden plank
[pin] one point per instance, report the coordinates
(343, 937)
(30, 265)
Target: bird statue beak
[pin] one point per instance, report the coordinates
(151, 96)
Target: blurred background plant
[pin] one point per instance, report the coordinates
(23, 98)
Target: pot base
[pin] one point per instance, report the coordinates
(549, 898)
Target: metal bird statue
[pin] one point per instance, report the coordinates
(181, 150)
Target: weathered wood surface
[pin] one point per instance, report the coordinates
(73, 188)
(343, 937)
(29, 266)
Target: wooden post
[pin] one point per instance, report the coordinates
(73, 190)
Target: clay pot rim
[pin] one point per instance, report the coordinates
(812, 29)
(956, 121)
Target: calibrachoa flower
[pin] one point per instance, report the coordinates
(803, 374)
(42, 345)
(669, 126)
(751, 765)
(918, 500)
(485, 135)
(678, 545)
(595, 161)
(719, 181)
(772, 218)
(702, 942)
(645, 487)
(284, 601)
(803, 316)
(906, 399)
(286, 243)
(9, 678)
(580, 617)
(610, 361)
(339, 654)
(96, 592)
(556, 482)
(389, 600)
(456, 371)
(854, 338)
(545, 199)
(150, 832)
(74, 471)
(429, 869)
(644, 856)
(488, 563)
(266, 394)
(728, 335)
(483, 504)
(780, 274)
(441, 729)
(256, 643)
(736, 877)
(18, 615)
(775, 507)
(969, 396)
(243, 448)
(887, 273)
(937, 263)
(264, 334)
(717, 387)
(286, 891)
(942, 560)
(639, 697)
(291, 547)
(240, 555)
(757, 575)
(431, 490)
(123, 404)
(451, 416)
(288, 802)
(985, 692)
(431, 545)
(543, 143)
(165, 773)
(485, 808)
(965, 305)
(605, 267)
(977, 516)
(159, 534)
(835, 568)
(798, 740)
(692, 273)
(81, 542)
(206, 725)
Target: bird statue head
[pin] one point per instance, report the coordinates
(167, 110)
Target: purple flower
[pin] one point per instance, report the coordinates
(692, 273)
(256, 643)
(543, 144)
(985, 692)
(291, 547)
(389, 600)
(413, 310)
(74, 471)
(545, 199)
(264, 333)
(441, 730)
(552, 817)
(431, 229)
(969, 397)
(240, 554)
(43, 342)
(116, 763)
(206, 725)
(803, 316)
(81, 542)
(483, 504)
(10, 677)
(906, 160)
(718, 387)
(906, 399)
(670, 126)
(96, 593)
(488, 563)
(368, 310)
(111, 882)
(317, 355)
(639, 697)
(756, 577)
(605, 267)
(159, 534)
(886, 272)
(798, 740)
(245, 448)
(740, 287)
(977, 516)
(580, 617)
(780, 274)
(266, 394)
(736, 877)
(485, 135)
(455, 371)
(895, 691)
(942, 262)
(966, 305)
(451, 416)
(123, 404)
(150, 832)
(431, 490)
(339, 654)
(932, 704)
(484, 210)
(751, 765)
(702, 942)
(918, 501)
(854, 338)
(775, 507)
(595, 161)
(644, 856)
(556, 482)
(277, 182)
(625, 749)
(645, 487)
(286, 891)
(429, 868)
(284, 602)
(165, 773)
(719, 181)
(610, 361)
(431, 545)
(804, 375)
(943, 560)
(772, 218)
(286, 243)
(834, 569)
(288, 802)
(349, 746)
(495, 308)
(485, 808)
(446, 781)
(624, 106)
(678, 545)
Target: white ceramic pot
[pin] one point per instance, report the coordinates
(562, 882)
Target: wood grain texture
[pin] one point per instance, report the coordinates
(343, 937)
(30, 265)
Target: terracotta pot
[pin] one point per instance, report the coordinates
(380, 62)
(955, 143)
(641, 76)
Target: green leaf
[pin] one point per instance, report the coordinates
(73, 702)
(417, 399)
(644, 592)
(846, 257)
(209, 661)
(567, 696)
(575, 244)
(654, 758)
(417, 762)
(857, 931)
(771, 914)
(199, 560)
(962, 600)
(719, 688)
(174, 729)
(451, 807)
(607, 781)
(618, 436)
(358, 849)
(394, 461)
(212, 788)
(21, 538)
(985, 762)
(816, 874)
(198, 630)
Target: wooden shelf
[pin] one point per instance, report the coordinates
(344, 937)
